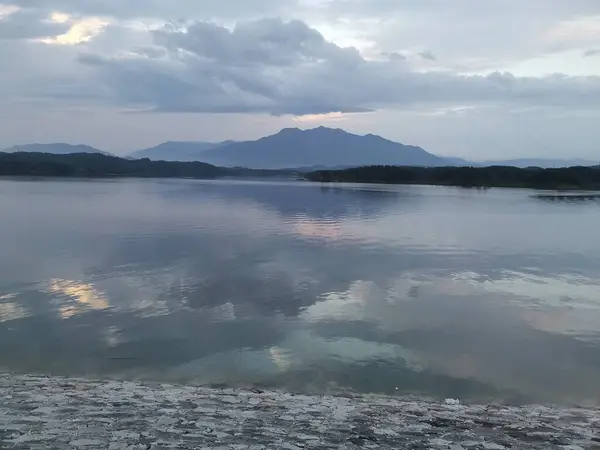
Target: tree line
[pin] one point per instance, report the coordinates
(493, 176)
(96, 165)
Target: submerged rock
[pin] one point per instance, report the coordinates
(54, 412)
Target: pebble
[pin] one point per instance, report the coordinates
(55, 412)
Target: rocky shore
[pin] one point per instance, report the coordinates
(39, 412)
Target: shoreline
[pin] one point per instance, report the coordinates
(594, 191)
(75, 413)
(590, 193)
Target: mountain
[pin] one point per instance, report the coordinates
(316, 149)
(177, 150)
(459, 162)
(56, 149)
(322, 146)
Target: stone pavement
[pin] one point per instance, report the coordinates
(39, 412)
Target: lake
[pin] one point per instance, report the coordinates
(482, 295)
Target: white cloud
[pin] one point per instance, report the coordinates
(82, 30)
(7, 10)
(27, 24)
(472, 35)
(407, 59)
(277, 67)
(163, 9)
(592, 52)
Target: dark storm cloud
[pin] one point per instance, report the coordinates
(278, 67)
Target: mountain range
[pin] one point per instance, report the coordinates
(294, 148)
(178, 150)
(56, 148)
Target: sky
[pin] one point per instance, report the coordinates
(480, 79)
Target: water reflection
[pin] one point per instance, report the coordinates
(11, 311)
(465, 332)
(75, 298)
(434, 291)
(299, 199)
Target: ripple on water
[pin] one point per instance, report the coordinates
(434, 291)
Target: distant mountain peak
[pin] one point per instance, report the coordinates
(329, 130)
(320, 129)
(376, 136)
(290, 130)
(321, 146)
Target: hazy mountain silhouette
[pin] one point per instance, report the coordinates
(55, 148)
(316, 149)
(454, 161)
(322, 146)
(177, 150)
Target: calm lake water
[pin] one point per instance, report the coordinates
(443, 292)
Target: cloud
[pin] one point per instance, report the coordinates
(82, 30)
(428, 55)
(162, 9)
(277, 67)
(593, 52)
(573, 33)
(119, 56)
(47, 27)
(472, 34)
(394, 56)
(27, 24)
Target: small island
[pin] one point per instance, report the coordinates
(571, 178)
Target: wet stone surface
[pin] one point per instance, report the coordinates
(57, 413)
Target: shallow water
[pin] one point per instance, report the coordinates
(444, 292)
